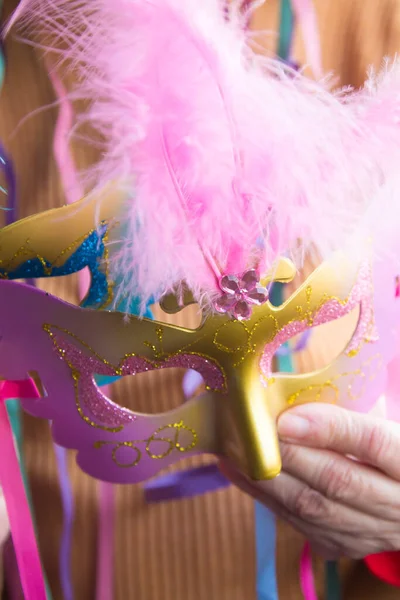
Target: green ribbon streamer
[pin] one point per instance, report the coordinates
(332, 581)
(285, 31)
(285, 363)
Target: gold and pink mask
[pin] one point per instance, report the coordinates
(67, 346)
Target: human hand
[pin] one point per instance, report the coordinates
(344, 507)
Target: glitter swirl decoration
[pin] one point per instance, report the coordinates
(353, 382)
(170, 444)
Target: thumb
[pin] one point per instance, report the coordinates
(370, 439)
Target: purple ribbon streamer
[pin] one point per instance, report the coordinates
(105, 544)
(68, 510)
(7, 168)
(301, 345)
(185, 484)
(191, 381)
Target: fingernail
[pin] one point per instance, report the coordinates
(292, 427)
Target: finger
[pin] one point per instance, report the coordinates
(297, 502)
(370, 439)
(331, 542)
(344, 481)
(249, 487)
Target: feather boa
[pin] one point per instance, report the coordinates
(228, 158)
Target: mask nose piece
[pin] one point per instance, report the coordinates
(256, 445)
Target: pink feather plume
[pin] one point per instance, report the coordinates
(228, 158)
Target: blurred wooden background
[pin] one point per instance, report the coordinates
(203, 548)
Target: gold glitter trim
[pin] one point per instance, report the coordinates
(374, 362)
(248, 347)
(76, 377)
(159, 331)
(173, 444)
(370, 337)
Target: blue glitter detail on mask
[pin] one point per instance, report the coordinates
(88, 254)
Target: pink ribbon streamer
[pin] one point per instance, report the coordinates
(306, 17)
(65, 162)
(21, 524)
(307, 583)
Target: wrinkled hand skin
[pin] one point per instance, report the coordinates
(344, 507)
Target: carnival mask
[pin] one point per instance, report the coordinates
(67, 346)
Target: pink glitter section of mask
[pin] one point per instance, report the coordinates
(101, 407)
(361, 293)
(208, 369)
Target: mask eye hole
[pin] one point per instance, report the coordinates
(156, 391)
(189, 316)
(63, 287)
(324, 344)
(163, 389)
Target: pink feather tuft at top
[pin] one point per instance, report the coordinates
(228, 158)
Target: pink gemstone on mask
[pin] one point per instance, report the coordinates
(224, 303)
(229, 284)
(257, 296)
(249, 280)
(241, 311)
